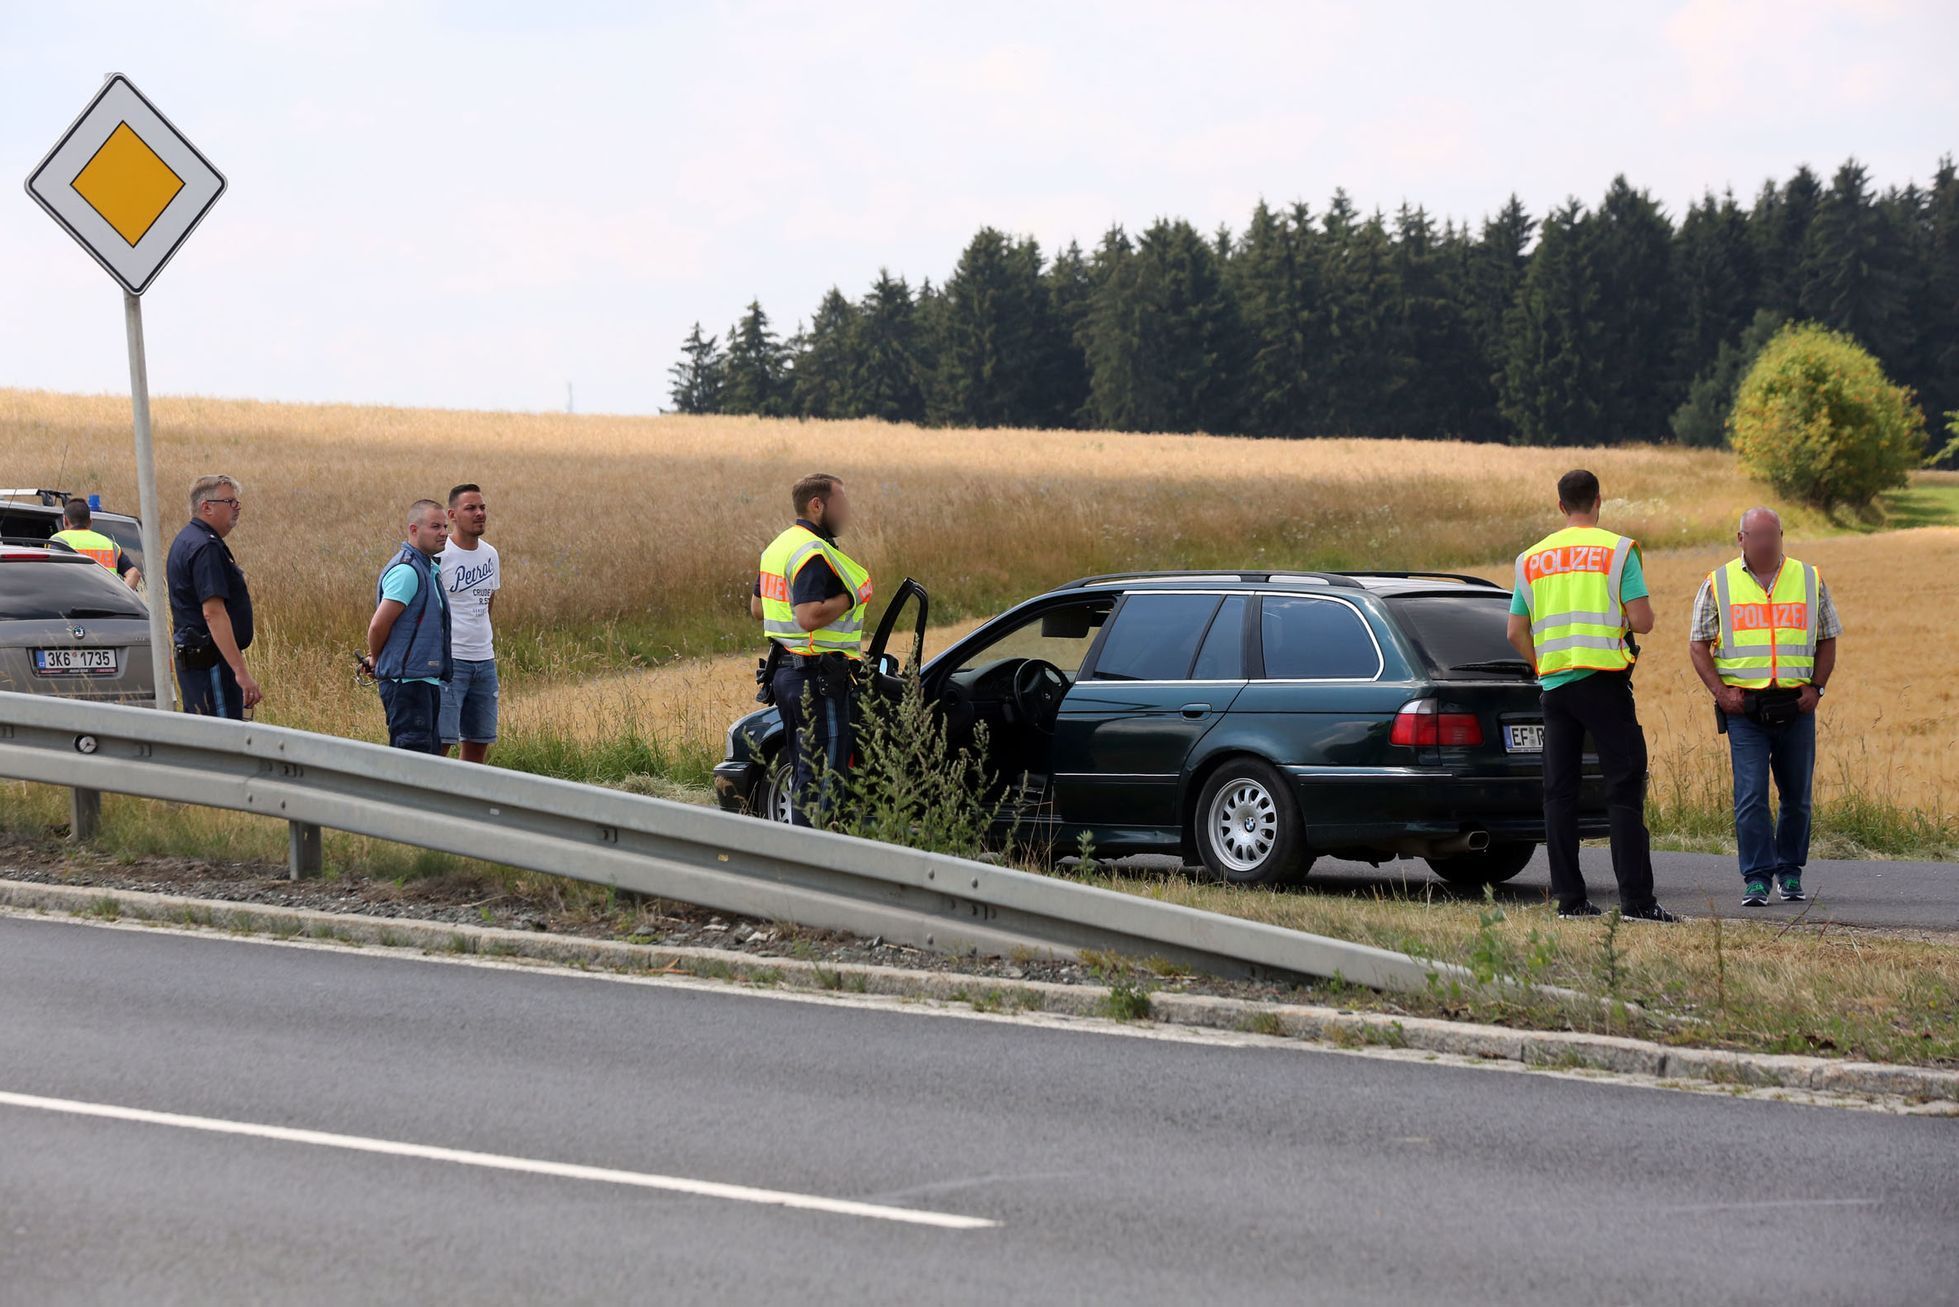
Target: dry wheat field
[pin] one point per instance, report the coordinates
(629, 546)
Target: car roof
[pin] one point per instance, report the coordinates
(1386, 583)
(30, 501)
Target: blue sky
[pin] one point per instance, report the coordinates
(470, 204)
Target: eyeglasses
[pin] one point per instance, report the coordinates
(232, 502)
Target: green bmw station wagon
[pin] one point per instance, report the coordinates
(1253, 721)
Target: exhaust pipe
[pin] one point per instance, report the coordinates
(1470, 841)
(1442, 846)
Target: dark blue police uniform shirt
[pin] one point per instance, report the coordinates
(201, 567)
(818, 580)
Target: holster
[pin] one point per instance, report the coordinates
(765, 674)
(834, 677)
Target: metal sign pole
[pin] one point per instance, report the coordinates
(154, 576)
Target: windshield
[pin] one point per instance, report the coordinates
(1060, 636)
(1461, 637)
(41, 591)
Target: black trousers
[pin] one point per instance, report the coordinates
(815, 709)
(413, 708)
(1601, 704)
(208, 691)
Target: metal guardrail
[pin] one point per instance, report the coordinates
(657, 847)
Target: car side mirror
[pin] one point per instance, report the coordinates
(887, 664)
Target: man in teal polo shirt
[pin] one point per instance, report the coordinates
(408, 636)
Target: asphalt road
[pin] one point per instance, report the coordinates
(1117, 1168)
(1869, 893)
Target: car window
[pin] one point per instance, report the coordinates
(1061, 636)
(1155, 637)
(1223, 656)
(20, 525)
(1460, 636)
(37, 591)
(1314, 640)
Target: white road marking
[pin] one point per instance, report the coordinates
(497, 1162)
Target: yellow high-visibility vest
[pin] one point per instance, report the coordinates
(1570, 582)
(787, 555)
(92, 543)
(1768, 637)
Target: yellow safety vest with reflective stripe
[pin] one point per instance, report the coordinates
(787, 555)
(94, 544)
(1570, 582)
(1768, 637)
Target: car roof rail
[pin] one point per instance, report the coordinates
(55, 548)
(45, 498)
(1430, 576)
(1212, 575)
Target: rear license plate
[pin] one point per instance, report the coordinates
(76, 662)
(1524, 739)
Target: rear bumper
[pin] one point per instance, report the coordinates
(1382, 805)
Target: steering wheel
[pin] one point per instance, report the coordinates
(1037, 691)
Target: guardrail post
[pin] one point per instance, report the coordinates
(303, 849)
(84, 814)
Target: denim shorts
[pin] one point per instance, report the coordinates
(469, 703)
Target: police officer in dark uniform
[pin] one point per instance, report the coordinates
(210, 605)
(811, 597)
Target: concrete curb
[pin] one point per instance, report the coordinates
(1562, 1050)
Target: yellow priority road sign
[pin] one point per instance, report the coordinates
(126, 184)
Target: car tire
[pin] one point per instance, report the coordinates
(1246, 826)
(770, 799)
(1492, 866)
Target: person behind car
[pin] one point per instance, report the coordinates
(811, 597)
(79, 536)
(1764, 642)
(408, 636)
(210, 604)
(1578, 593)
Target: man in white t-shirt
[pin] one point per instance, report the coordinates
(471, 576)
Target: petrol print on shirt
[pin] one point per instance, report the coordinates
(470, 577)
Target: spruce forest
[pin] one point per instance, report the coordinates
(1597, 325)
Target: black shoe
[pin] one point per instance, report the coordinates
(1755, 893)
(1651, 912)
(1790, 888)
(1576, 911)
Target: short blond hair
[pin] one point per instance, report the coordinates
(205, 489)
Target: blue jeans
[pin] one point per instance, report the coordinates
(1788, 753)
(469, 703)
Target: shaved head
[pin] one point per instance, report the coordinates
(1759, 517)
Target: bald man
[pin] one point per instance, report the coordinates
(1764, 641)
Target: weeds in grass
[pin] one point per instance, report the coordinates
(1127, 1001)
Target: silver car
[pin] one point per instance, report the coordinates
(68, 627)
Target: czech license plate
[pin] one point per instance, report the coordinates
(76, 662)
(1524, 739)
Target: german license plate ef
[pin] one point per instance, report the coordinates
(1524, 739)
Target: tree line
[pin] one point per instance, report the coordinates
(1586, 325)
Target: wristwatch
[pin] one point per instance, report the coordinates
(1817, 688)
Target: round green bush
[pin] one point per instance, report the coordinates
(1818, 419)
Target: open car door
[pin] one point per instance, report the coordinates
(889, 669)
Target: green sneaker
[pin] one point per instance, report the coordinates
(1755, 894)
(1790, 888)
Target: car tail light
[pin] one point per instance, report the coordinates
(1423, 724)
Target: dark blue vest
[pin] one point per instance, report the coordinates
(418, 646)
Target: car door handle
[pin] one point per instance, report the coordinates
(1196, 709)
